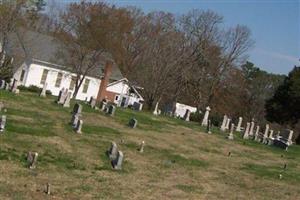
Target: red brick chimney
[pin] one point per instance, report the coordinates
(102, 93)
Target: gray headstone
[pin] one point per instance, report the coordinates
(208, 127)
(142, 147)
(187, 115)
(77, 109)
(93, 102)
(113, 150)
(79, 126)
(133, 123)
(14, 86)
(111, 110)
(74, 120)
(2, 123)
(67, 100)
(137, 106)
(117, 163)
(2, 84)
(32, 159)
(62, 96)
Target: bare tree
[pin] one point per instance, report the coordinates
(86, 32)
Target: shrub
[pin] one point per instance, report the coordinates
(33, 88)
(196, 117)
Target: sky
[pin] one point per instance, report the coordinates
(274, 24)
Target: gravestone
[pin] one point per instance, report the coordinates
(187, 115)
(48, 190)
(79, 126)
(246, 133)
(2, 84)
(251, 131)
(113, 150)
(256, 137)
(117, 163)
(271, 138)
(265, 137)
(206, 115)
(74, 120)
(290, 137)
(223, 126)
(67, 100)
(93, 102)
(1, 105)
(155, 112)
(137, 106)
(2, 123)
(227, 124)
(32, 159)
(230, 136)
(141, 150)
(77, 109)
(7, 86)
(43, 92)
(103, 105)
(133, 123)
(238, 128)
(111, 110)
(208, 127)
(62, 96)
(14, 86)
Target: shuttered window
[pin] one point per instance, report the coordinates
(86, 85)
(58, 79)
(44, 76)
(72, 83)
(22, 75)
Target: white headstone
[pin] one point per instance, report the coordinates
(117, 163)
(230, 136)
(67, 100)
(206, 115)
(113, 151)
(227, 124)
(155, 112)
(290, 137)
(246, 133)
(223, 126)
(2, 123)
(238, 128)
(79, 126)
(266, 133)
(256, 133)
(142, 147)
(251, 131)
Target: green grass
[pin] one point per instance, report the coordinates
(178, 157)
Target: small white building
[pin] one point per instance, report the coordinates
(181, 109)
(125, 93)
(40, 65)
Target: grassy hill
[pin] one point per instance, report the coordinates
(180, 161)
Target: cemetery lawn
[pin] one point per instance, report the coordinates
(180, 161)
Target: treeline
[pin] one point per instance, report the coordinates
(192, 58)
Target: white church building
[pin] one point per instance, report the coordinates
(39, 66)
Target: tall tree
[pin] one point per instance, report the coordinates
(87, 32)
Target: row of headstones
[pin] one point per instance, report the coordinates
(116, 156)
(249, 133)
(103, 106)
(13, 87)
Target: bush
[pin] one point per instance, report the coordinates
(196, 117)
(34, 89)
